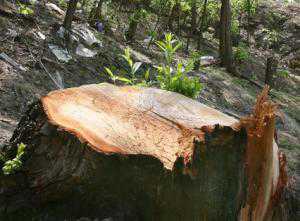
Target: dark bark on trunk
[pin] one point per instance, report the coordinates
(248, 2)
(193, 28)
(98, 14)
(225, 37)
(133, 24)
(174, 15)
(202, 24)
(70, 14)
(270, 70)
(194, 17)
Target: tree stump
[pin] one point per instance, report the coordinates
(131, 153)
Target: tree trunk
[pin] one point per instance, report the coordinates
(141, 154)
(194, 17)
(225, 37)
(202, 24)
(133, 24)
(70, 14)
(270, 70)
(174, 15)
(193, 28)
(98, 14)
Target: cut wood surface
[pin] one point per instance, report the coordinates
(132, 120)
(147, 154)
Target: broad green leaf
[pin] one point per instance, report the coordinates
(109, 72)
(135, 67)
(123, 79)
(147, 74)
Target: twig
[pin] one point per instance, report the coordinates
(55, 63)
(43, 66)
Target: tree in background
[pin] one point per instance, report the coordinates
(202, 24)
(194, 16)
(174, 15)
(70, 14)
(96, 12)
(133, 24)
(225, 37)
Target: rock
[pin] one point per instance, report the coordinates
(60, 53)
(85, 52)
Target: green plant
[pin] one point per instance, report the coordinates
(250, 6)
(213, 9)
(271, 37)
(196, 58)
(10, 166)
(169, 46)
(178, 80)
(133, 68)
(63, 3)
(241, 53)
(115, 78)
(2, 158)
(235, 27)
(24, 10)
(283, 73)
(146, 80)
(243, 83)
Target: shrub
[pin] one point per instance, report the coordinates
(167, 78)
(176, 81)
(133, 67)
(24, 10)
(241, 53)
(283, 73)
(168, 47)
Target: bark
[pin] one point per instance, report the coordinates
(202, 24)
(141, 154)
(193, 28)
(174, 15)
(98, 14)
(270, 70)
(70, 14)
(194, 17)
(133, 24)
(225, 37)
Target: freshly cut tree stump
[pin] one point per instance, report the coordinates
(131, 153)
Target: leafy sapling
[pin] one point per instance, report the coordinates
(24, 10)
(176, 80)
(133, 66)
(11, 166)
(169, 46)
(115, 78)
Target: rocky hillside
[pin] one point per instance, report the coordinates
(34, 62)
